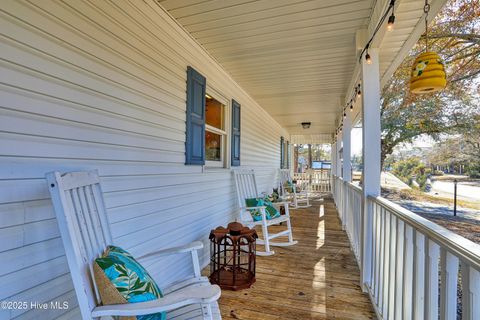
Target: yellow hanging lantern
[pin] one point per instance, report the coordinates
(428, 71)
(428, 74)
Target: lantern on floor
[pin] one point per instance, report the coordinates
(428, 71)
(232, 264)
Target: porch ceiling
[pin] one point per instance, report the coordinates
(295, 57)
(298, 58)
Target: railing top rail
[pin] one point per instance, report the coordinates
(463, 248)
(353, 186)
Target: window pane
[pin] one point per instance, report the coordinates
(214, 113)
(213, 143)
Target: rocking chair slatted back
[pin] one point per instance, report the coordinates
(82, 219)
(246, 185)
(285, 176)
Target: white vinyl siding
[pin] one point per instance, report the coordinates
(101, 85)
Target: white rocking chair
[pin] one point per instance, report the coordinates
(246, 186)
(298, 199)
(78, 202)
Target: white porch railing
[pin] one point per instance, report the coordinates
(348, 198)
(314, 180)
(418, 270)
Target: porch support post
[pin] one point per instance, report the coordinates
(334, 159)
(346, 135)
(339, 158)
(371, 157)
(310, 156)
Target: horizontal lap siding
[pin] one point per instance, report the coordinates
(101, 85)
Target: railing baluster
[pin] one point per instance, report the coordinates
(419, 277)
(470, 292)
(373, 283)
(382, 260)
(466, 291)
(386, 263)
(431, 280)
(408, 273)
(399, 276)
(448, 289)
(378, 251)
(392, 266)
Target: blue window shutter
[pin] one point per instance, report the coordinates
(282, 154)
(235, 133)
(195, 130)
(288, 156)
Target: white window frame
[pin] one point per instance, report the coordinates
(225, 133)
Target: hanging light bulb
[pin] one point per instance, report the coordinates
(359, 91)
(351, 107)
(344, 114)
(391, 19)
(368, 58)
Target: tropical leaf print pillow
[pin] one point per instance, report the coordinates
(270, 211)
(121, 279)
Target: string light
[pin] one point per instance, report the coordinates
(391, 21)
(359, 92)
(368, 58)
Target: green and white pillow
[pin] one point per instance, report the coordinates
(270, 211)
(289, 186)
(121, 279)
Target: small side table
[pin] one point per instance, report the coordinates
(233, 249)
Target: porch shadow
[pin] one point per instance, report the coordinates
(316, 279)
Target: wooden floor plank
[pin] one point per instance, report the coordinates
(316, 279)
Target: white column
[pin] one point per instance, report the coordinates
(371, 154)
(339, 158)
(334, 158)
(347, 130)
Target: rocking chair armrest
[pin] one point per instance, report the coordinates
(195, 245)
(280, 203)
(187, 296)
(257, 207)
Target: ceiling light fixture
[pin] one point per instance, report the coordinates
(306, 125)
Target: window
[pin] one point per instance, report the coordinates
(208, 123)
(215, 133)
(284, 154)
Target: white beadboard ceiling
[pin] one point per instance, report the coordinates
(295, 57)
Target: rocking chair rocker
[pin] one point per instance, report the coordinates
(246, 186)
(78, 202)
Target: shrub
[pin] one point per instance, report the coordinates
(410, 170)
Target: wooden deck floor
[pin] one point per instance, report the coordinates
(316, 279)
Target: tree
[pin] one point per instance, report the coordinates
(455, 35)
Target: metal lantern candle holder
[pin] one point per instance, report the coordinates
(232, 265)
